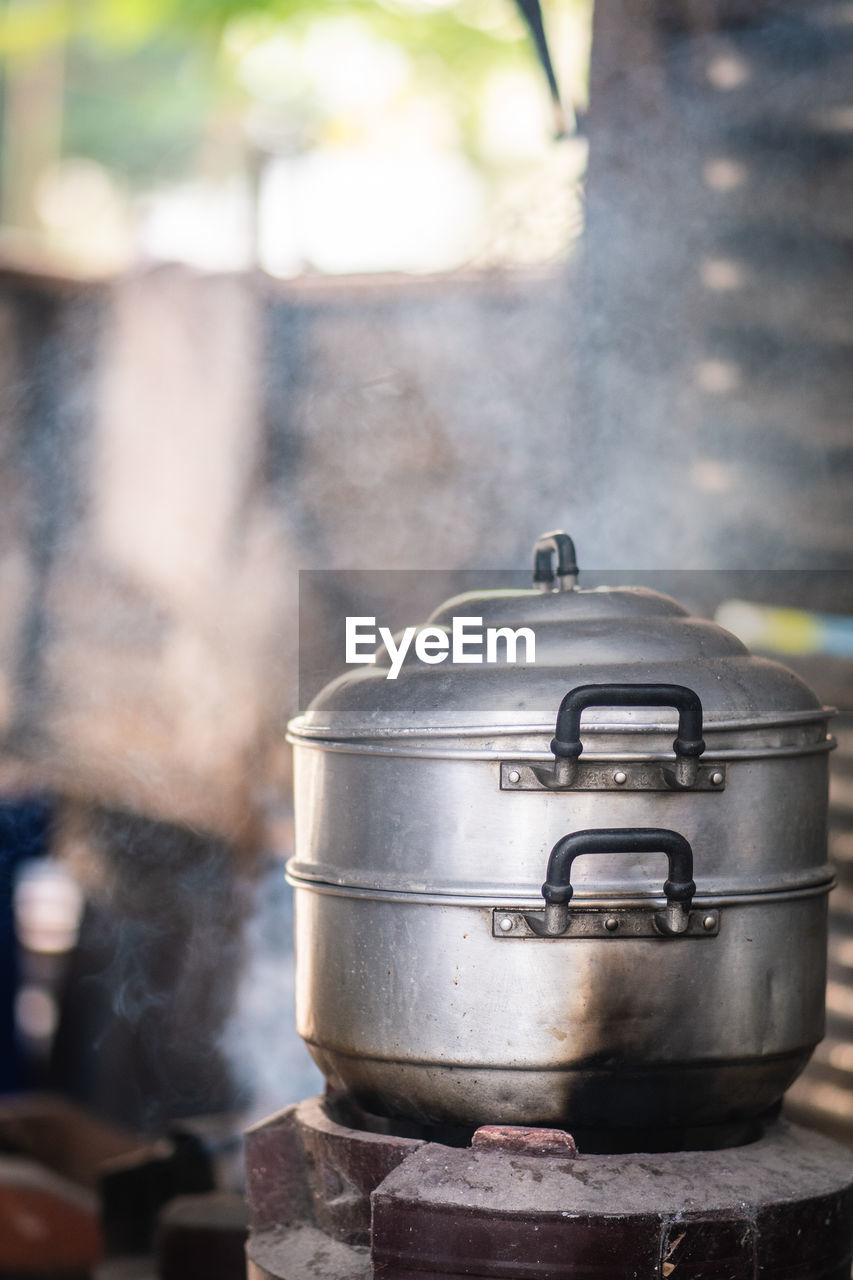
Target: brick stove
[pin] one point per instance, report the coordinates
(332, 1198)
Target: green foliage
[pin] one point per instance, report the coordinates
(139, 112)
(145, 78)
(27, 26)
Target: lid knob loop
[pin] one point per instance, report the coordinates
(551, 547)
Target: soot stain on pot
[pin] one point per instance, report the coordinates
(592, 1043)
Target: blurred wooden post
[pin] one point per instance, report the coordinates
(32, 128)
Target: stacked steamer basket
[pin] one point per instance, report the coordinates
(657, 993)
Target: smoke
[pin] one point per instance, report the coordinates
(154, 974)
(265, 1054)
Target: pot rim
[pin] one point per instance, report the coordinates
(407, 750)
(299, 730)
(819, 883)
(502, 742)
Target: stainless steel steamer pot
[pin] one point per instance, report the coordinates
(669, 972)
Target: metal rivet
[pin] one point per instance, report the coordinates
(716, 778)
(611, 924)
(620, 777)
(710, 922)
(505, 924)
(514, 775)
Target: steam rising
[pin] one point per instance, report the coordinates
(260, 1042)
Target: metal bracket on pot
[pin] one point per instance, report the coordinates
(619, 775)
(603, 922)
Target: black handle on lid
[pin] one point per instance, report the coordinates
(550, 547)
(679, 887)
(566, 743)
(688, 745)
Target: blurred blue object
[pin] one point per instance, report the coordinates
(24, 833)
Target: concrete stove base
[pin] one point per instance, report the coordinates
(329, 1202)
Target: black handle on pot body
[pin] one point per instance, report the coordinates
(688, 745)
(679, 887)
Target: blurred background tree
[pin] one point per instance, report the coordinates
(227, 133)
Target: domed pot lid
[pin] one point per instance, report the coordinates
(610, 636)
